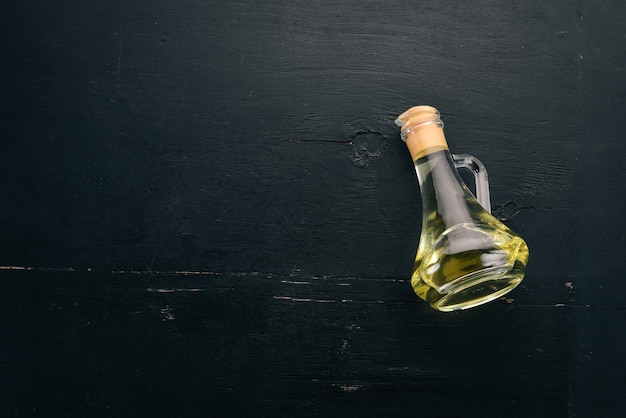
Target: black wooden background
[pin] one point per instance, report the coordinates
(206, 209)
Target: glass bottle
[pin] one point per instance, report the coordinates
(465, 257)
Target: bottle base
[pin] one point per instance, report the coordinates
(478, 288)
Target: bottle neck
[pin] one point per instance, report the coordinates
(426, 140)
(422, 130)
(442, 189)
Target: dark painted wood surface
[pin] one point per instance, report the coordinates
(207, 211)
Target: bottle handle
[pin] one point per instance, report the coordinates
(480, 176)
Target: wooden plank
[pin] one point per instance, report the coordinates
(206, 343)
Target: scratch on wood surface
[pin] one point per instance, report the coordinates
(31, 268)
(315, 300)
(136, 272)
(293, 299)
(174, 290)
(350, 388)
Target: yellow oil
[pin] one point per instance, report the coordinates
(466, 257)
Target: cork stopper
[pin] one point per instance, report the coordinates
(422, 130)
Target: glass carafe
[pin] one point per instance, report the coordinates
(465, 257)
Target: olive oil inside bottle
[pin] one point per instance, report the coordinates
(465, 257)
